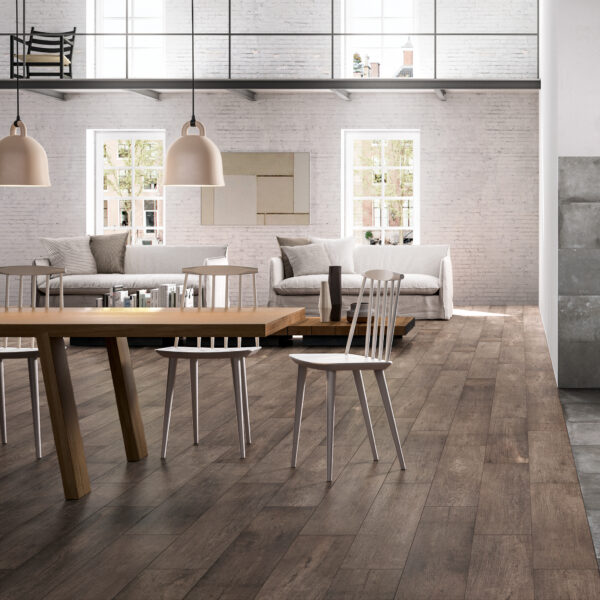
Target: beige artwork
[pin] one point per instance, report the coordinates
(261, 188)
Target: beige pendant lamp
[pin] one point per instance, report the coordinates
(194, 160)
(23, 161)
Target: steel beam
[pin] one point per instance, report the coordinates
(247, 94)
(51, 93)
(343, 94)
(66, 85)
(148, 93)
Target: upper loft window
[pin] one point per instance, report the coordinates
(116, 55)
(379, 43)
(381, 186)
(129, 193)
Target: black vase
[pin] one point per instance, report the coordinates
(335, 292)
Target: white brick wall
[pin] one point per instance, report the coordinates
(479, 162)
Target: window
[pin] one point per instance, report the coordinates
(129, 188)
(381, 186)
(374, 54)
(146, 52)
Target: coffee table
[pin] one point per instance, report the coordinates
(334, 333)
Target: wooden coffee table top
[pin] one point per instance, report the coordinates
(313, 326)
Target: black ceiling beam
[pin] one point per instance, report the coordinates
(273, 84)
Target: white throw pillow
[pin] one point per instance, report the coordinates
(340, 251)
(73, 254)
(311, 259)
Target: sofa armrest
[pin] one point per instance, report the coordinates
(446, 287)
(275, 274)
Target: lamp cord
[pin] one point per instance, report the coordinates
(193, 121)
(15, 58)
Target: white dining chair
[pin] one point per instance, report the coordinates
(237, 355)
(384, 293)
(20, 351)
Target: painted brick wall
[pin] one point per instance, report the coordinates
(479, 169)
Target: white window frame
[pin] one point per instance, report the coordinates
(97, 208)
(348, 137)
(95, 9)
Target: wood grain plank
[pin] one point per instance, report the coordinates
(307, 568)
(555, 584)
(561, 536)
(501, 567)
(504, 504)
(438, 562)
(386, 534)
(458, 477)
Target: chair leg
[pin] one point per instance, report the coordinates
(239, 409)
(168, 405)
(330, 422)
(389, 411)
(245, 401)
(360, 388)
(35, 404)
(300, 387)
(194, 383)
(2, 405)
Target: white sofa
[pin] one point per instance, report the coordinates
(426, 291)
(146, 267)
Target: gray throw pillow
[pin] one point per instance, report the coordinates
(73, 254)
(311, 259)
(109, 252)
(283, 241)
(340, 251)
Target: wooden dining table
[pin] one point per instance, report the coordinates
(50, 326)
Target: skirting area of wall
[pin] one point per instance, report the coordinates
(479, 173)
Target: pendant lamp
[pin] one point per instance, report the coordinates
(23, 161)
(194, 160)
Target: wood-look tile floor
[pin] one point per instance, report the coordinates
(489, 507)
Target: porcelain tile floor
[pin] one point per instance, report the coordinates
(581, 409)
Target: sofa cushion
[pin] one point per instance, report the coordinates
(72, 254)
(289, 241)
(310, 285)
(109, 252)
(340, 251)
(96, 285)
(307, 260)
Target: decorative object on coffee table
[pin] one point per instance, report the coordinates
(325, 303)
(335, 291)
(363, 312)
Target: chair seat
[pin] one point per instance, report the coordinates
(18, 353)
(44, 59)
(191, 352)
(340, 362)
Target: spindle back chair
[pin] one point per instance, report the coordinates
(236, 355)
(384, 295)
(30, 353)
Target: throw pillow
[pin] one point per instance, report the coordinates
(109, 252)
(283, 241)
(311, 259)
(73, 254)
(340, 252)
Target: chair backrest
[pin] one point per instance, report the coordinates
(32, 272)
(384, 293)
(212, 272)
(50, 42)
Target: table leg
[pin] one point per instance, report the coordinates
(127, 398)
(63, 414)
